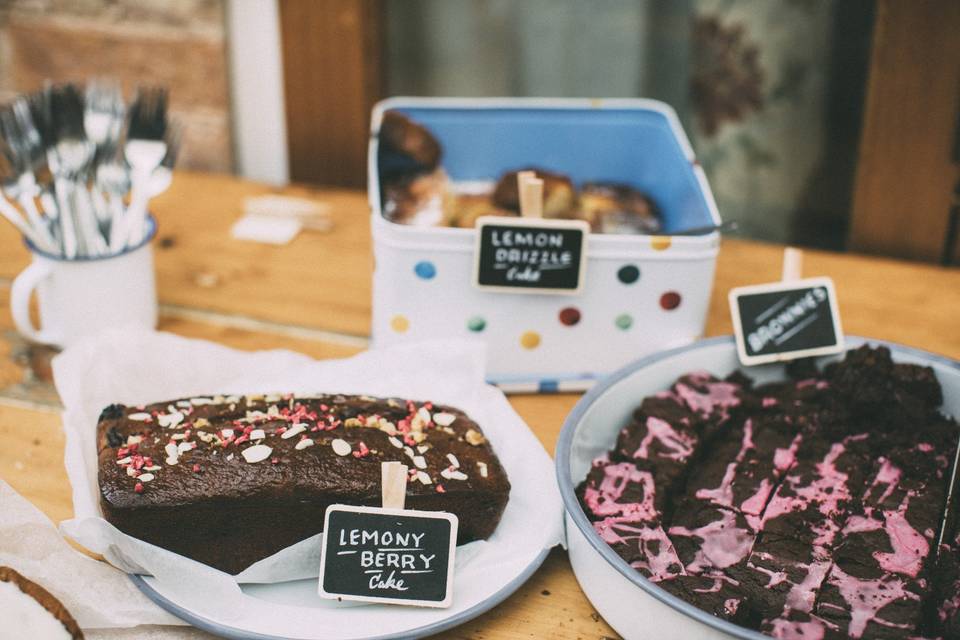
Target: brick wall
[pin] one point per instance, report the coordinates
(178, 43)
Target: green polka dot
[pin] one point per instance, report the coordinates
(624, 321)
(476, 324)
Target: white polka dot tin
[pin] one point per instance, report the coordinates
(641, 293)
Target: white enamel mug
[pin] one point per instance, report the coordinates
(84, 296)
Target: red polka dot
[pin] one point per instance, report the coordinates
(670, 300)
(570, 316)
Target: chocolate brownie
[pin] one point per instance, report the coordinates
(230, 480)
(807, 508)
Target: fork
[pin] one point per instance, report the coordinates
(145, 150)
(24, 152)
(103, 117)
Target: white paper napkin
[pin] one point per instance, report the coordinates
(96, 594)
(140, 367)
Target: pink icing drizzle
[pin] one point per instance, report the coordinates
(718, 394)
(724, 544)
(787, 630)
(679, 446)
(723, 495)
(603, 499)
(769, 402)
(661, 564)
(867, 597)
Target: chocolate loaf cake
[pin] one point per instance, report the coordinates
(804, 509)
(230, 480)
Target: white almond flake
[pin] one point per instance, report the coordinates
(170, 420)
(388, 427)
(186, 446)
(197, 402)
(423, 448)
(183, 404)
(134, 440)
(395, 442)
(483, 468)
(453, 460)
(453, 474)
(444, 419)
(303, 444)
(226, 433)
(172, 460)
(418, 436)
(229, 457)
(205, 436)
(419, 462)
(258, 434)
(424, 477)
(408, 451)
(424, 415)
(171, 408)
(139, 417)
(294, 430)
(273, 411)
(131, 472)
(126, 460)
(178, 436)
(341, 447)
(256, 453)
(155, 467)
(171, 449)
(145, 477)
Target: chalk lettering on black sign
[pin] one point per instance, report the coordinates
(388, 555)
(786, 320)
(530, 256)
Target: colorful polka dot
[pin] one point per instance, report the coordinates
(670, 300)
(624, 321)
(569, 316)
(399, 323)
(628, 274)
(530, 340)
(476, 324)
(660, 243)
(425, 270)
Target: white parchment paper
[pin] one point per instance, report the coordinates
(134, 367)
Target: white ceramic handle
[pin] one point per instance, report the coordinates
(20, 292)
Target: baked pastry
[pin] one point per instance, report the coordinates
(230, 480)
(804, 509)
(406, 148)
(468, 207)
(618, 208)
(559, 196)
(30, 611)
(422, 200)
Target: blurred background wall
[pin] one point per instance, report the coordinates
(826, 123)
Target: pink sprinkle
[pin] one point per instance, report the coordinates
(196, 468)
(138, 487)
(440, 489)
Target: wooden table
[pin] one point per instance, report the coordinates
(313, 296)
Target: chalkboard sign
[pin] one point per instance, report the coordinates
(530, 255)
(388, 555)
(786, 320)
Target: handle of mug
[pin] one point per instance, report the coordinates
(20, 293)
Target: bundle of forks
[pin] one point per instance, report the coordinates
(78, 166)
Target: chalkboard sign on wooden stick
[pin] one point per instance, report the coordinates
(388, 554)
(786, 320)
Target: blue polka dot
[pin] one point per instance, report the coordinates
(425, 270)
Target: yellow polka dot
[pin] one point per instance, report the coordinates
(530, 340)
(660, 243)
(399, 323)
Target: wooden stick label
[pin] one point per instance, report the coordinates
(393, 556)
